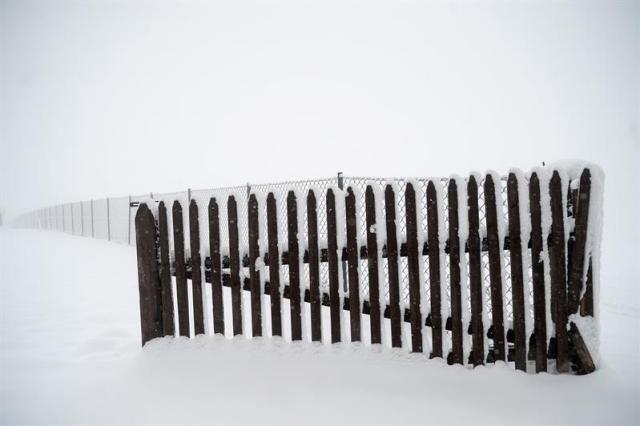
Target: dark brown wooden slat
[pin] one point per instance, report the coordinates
(216, 268)
(585, 364)
(334, 280)
(558, 273)
(165, 271)
(294, 267)
(475, 273)
(254, 275)
(537, 268)
(196, 270)
(234, 255)
(314, 268)
(414, 268)
(576, 274)
(457, 350)
(372, 263)
(517, 285)
(495, 269)
(274, 266)
(354, 259)
(181, 271)
(586, 305)
(392, 262)
(148, 277)
(434, 269)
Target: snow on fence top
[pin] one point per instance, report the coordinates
(489, 264)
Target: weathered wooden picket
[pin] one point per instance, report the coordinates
(542, 240)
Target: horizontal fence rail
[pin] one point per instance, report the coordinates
(474, 270)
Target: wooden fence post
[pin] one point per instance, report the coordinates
(372, 263)
(274, 266)
(216, 268)
(414, 269)
(537, 269)
(517, 285)
(577, 266)
(495, 269)
(457, 348)
(182, 292)
(254, 275)
(314, 268)
(234, 257)
(475, 273)
(334, 279)
(196, 269)
(148, 278)
(294, 267)
(353, 257)
(165, 271)
(392, 262)
(558, 273)
(433, 242)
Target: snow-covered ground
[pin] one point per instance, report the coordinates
(70, 354)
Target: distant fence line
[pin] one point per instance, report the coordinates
(483, 269)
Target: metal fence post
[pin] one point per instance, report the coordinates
(108, 222)
(344, 263)
(129, 227)
(71, 208)
(82, 217)
(93, 235)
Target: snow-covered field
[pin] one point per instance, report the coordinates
(71, 355)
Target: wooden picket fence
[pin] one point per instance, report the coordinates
(553, 263)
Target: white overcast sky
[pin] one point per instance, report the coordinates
(125, 97)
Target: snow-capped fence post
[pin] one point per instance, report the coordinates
(353, 257)
(294, 267)
(495, 270)
(196, 270)
(234, 259)
(216, 268)
(344, 263)
(274, 266)
(433, 245)
(182, 295)
(537, 269)
(457, 336)
(314, 268)
(475, 273)
(558, 273)
(168, 325)
(414, 268)
(148, 278)
(254, 274)
(332, 257)
(517, 286)
(375, 313)
(392, 262)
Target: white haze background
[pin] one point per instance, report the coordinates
(113, 98)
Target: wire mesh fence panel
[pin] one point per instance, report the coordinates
(119, 219)
(100, 223)
(76, 209)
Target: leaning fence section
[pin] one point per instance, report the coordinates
(474, 270)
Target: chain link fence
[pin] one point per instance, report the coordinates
(113, 219)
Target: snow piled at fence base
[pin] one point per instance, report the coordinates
(70, 354)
